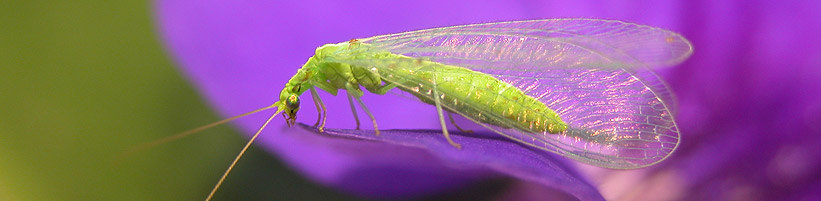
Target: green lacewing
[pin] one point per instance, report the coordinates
(580, 88)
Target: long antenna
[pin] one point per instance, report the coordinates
(164, 140)
(224, 175)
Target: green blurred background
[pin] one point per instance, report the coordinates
(80, 82)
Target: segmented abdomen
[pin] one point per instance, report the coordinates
(477, 95)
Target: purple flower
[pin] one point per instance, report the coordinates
(749, 98)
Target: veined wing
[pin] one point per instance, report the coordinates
(510, 48)
(538, 44)
(593, 73)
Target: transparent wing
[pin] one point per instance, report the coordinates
(539, 44)
(593, 73)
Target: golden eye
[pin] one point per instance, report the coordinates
(292, 102)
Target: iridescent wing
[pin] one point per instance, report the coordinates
(593, 73)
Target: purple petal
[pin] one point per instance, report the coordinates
(749, 97)
(431, 153)
(241, 53)
(749, 102)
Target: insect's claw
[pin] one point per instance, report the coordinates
(290, 122)
(463, 130)
(458, 146)
(287, 122)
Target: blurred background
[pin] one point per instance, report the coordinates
(80, 83)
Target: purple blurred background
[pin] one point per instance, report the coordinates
(749, 97)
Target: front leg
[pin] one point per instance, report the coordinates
(320, 108)
(325, 86)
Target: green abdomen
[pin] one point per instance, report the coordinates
(483, 98)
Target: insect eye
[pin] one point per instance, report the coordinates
(292, 102)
